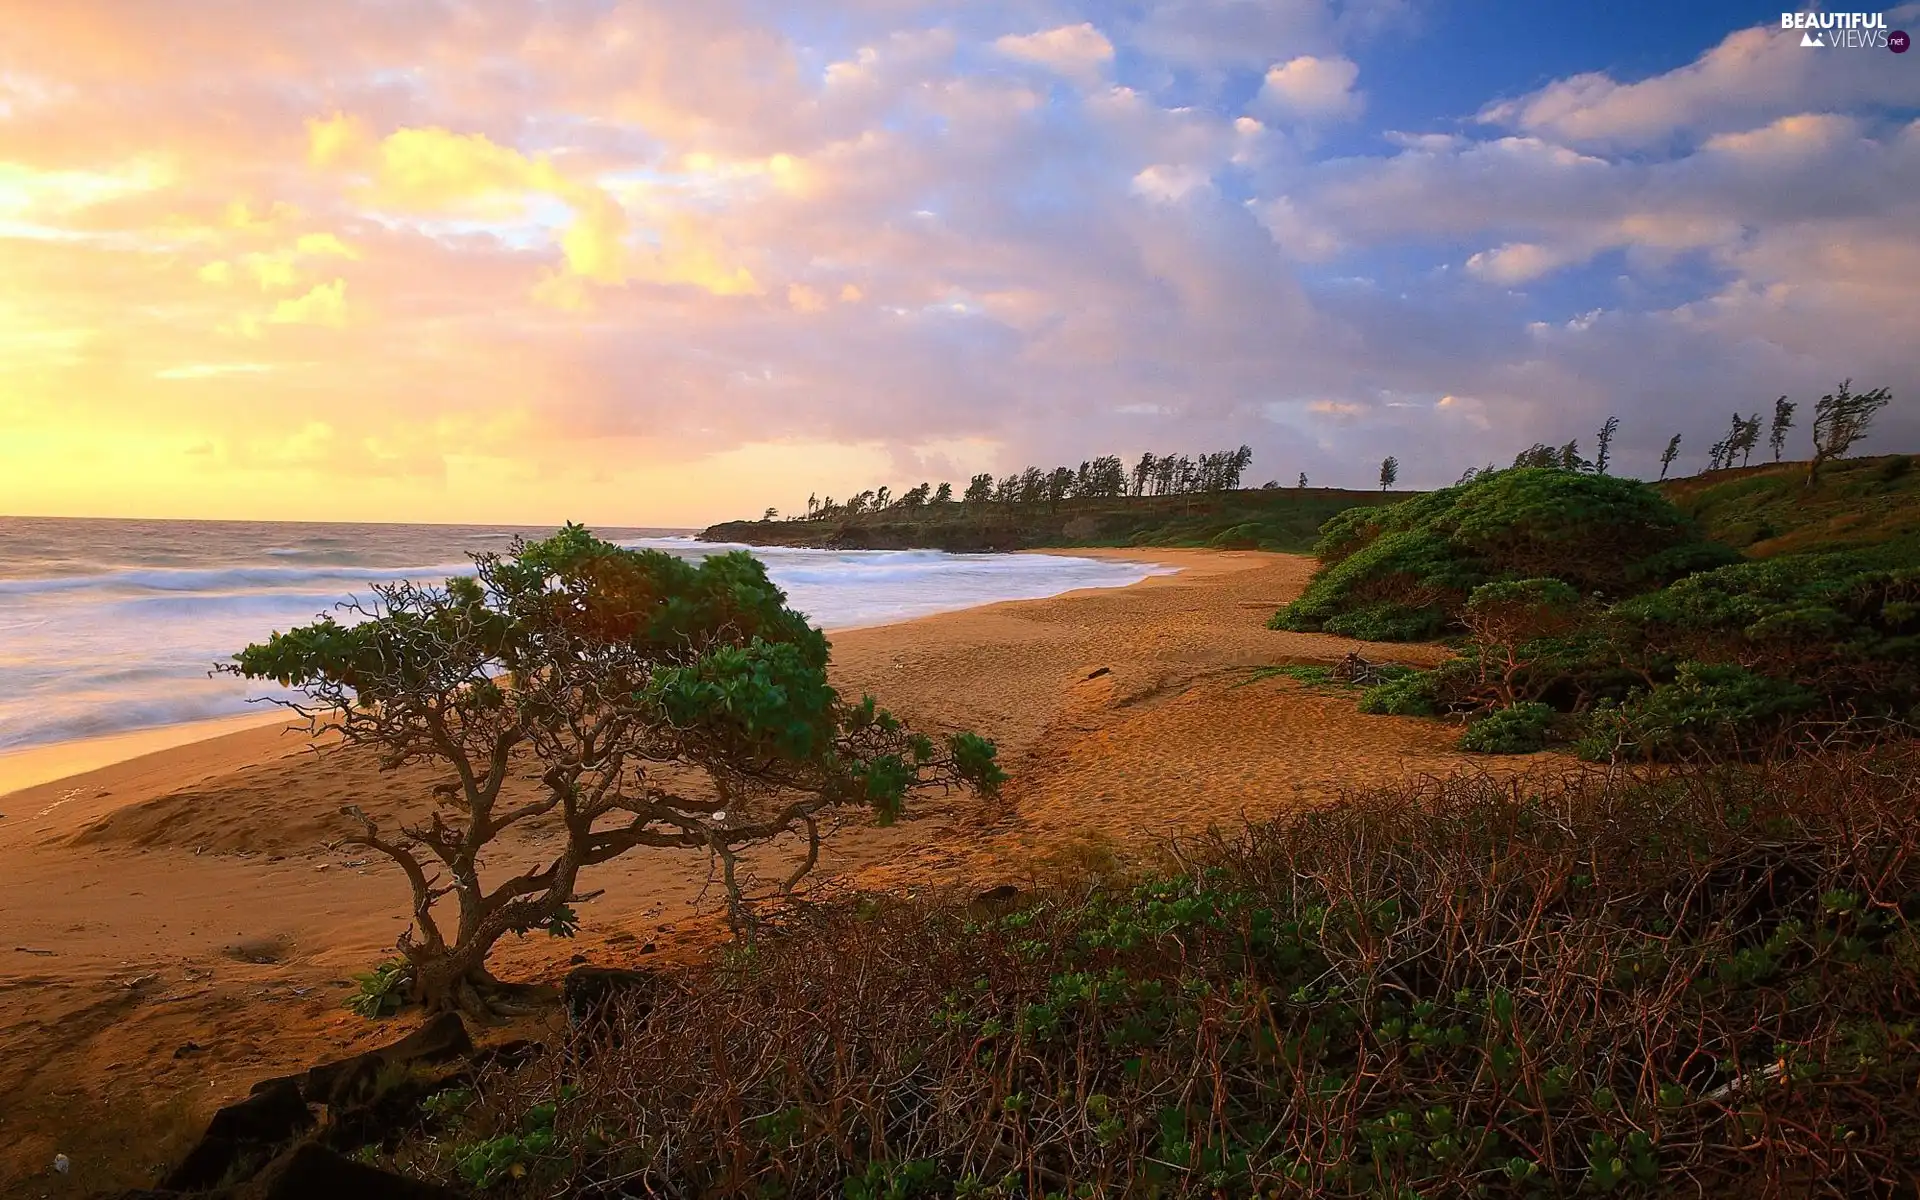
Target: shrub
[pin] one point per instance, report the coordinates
(1706, 709)
(1405, 571)
(1412, 695)
(1518, 729)
(1702, 982)
(602, 669)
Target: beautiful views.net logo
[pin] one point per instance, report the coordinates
(1850, 31)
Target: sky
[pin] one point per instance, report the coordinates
(672, 262)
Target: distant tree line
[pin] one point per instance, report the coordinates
(1841, 420)
(1103, 478)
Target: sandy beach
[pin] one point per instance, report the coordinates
(183, 923)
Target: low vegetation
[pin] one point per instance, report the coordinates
(1701, 982)
(1406, 571)
(1620, 619)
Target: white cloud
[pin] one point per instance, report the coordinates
(1313, 87)
(1752, 76)
(1168, 184)
(1077, 52)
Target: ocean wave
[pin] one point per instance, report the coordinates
(224, 579)
(131, 646)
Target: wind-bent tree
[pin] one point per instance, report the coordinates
(1742, 436)
(943, 494)
(1782, 422)
(1604, 455)
(1669, 454)
(1389, 472)
(659, 704)
(1840, 420)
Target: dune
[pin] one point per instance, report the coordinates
(184, 923)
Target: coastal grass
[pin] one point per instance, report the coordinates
(1272, 519)
(1698, 981)
(1863, 505)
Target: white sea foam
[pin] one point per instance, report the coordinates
(107, 626)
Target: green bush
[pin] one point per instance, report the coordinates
(1521, 729)
(1246, 536)
(1405, 571)
(1716, 709)
(1415, 695)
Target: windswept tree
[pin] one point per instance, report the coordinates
(813, 504)
(658, 703)
(1537, 455)
(770, 514)
(1841, 421)
(1059, 485)
(1389, 472)
(979, 489)
(943, 494)
(1603, 456)
(1143, 473)
(1669, 454)
(1781, 424)
(1569, 457)
(1742, 436)
(882, 498)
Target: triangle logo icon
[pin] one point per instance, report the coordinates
(1812, 39)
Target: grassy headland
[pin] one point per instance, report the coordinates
(1282, 519)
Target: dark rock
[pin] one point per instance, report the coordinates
(385, 1116)
(298, 1081)
(352, 1080)
(314, 1173)
(242, 1137)
(993, 902)
(1101, 671)
(186, 1048)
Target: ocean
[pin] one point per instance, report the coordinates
(108, 626)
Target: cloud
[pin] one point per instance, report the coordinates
(1751, 76)
(1313, 87)
(323, 304)
(670, 262)
(1077, 52)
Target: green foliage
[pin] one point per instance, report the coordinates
(1520, 729)
(1705, 709)
(1412, 695)
(1406, 571)
(382, 991)
(511, 1155)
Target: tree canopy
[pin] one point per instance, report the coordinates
(662, 703)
